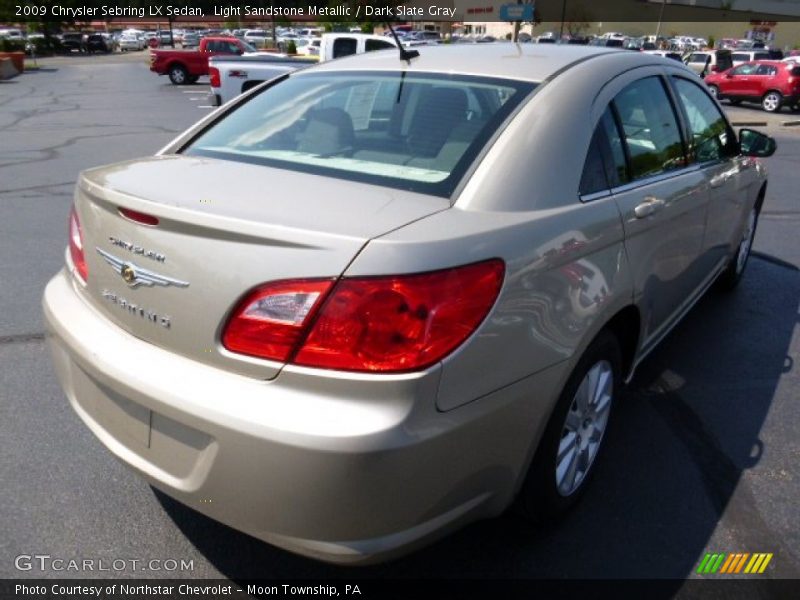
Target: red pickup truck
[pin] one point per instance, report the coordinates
(186, 66)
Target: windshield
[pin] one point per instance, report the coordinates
(418, 132)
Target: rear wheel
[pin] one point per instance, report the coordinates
(771, 102)
(568, 451)
(178, 74)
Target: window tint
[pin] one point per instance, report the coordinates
(344, 47)
(707, 125)
(698, 58)
(650, 128)
(766, 70)
(605, 162)
(748, 69)
(761, 56)
(616, 166)
(371, 45)
(409, 131)
(594, 173)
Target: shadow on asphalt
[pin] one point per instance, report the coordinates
(688, 427)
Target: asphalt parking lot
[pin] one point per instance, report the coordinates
(702, 456)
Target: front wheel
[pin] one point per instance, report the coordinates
(771, 102)
(732, 274)
(568, 451)
(178, 74)
(714, 90)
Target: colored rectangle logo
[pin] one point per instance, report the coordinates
(733, 563)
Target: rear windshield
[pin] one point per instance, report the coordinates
(417, 132)
(740, 57)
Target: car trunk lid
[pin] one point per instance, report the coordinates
(223, 228)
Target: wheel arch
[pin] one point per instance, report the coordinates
(176, 63)
(249, 85)
(626, 325)
(762, 193)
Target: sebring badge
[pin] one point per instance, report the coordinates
(135, 276)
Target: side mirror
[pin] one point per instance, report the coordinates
(729, 75)
(754, 143)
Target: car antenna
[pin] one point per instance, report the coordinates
(405, 55)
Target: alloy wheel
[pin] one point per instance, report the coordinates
(584, 427)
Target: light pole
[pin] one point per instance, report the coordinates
(660, 16)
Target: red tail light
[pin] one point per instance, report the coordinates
(376, 324)
(270, 321)
(76, 245)
(213, 73)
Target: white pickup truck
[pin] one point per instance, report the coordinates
(234, 75)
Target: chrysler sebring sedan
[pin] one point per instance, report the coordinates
(369, 302)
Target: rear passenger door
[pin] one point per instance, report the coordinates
(662, 200)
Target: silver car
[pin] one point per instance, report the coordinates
(369, 302)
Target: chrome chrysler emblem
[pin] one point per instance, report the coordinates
(135, 276)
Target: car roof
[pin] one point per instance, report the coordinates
(530, 62)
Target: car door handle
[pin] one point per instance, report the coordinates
(649, 206)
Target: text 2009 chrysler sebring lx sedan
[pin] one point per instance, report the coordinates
(372, 301)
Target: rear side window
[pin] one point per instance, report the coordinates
(795, 72)
(605, 162)
(766, 70)
(412, 131)
(650, 128)
(344, 47)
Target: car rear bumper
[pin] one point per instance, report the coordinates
(341, 467)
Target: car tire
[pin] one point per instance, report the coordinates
(552, 486)
(178, 75)
(771, 102)
(732, 275)
(714, 90)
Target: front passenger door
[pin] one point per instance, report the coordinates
(713, 148)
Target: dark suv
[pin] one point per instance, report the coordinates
(74, 41)
(96, 42)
